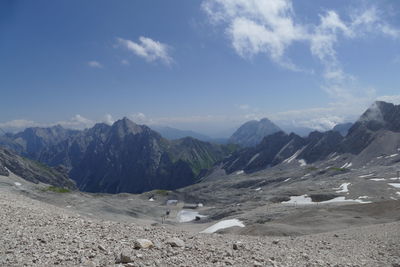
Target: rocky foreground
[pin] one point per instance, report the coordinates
(38, 234)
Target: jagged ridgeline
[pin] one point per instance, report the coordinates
(32, 171)
(124, 157)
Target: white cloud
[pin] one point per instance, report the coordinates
(77, 122)
(140, 118)
(18, 124)
(125, 62)
(95, 64)
(270, 27)
(108, 119)
(244, 107)
(395, 99)
(148, 49)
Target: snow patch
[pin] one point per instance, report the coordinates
(363, 197)
(377, 179)
(17, 184)
(222, 225)
(188, 215)
(306, 200)
(290, 159)
(347, 165)
(151, 199)
(287, 179)
(398, 193)
(253, 158)
(258, 189)
(239, 172)
(343, 188)
(392, 156)
(366, 175)
(302, 162)
(394, 178)
(396, 185)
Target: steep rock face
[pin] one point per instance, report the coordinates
(342, 128)
(320, 145)
(32, 171)
(259, 157)
(32, 141)
(280, 147)
(252, 132)
(127, 157)
(380, 116)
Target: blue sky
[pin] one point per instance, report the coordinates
(204, 65)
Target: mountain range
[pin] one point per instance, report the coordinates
(127, 157)
(124, 157)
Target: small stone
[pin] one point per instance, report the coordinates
(238, 245)
(275, 242)
(143, 243)
(101, 248)
(175, 242)
(123, 257)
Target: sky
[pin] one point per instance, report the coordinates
(204, 65)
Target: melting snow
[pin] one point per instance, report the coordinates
(222, 225)
(305, 199)
(188, 215)
(302, 162)
(17, 184)
(378, 179)
(240, 172)
(253, 158)
(343, 188)
(288, 160)
(347, 165)
(395, 185)
(366, 175)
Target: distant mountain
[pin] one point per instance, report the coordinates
(32, 171)
(375, 135)
(343, 128)
(126, 157)
(173, 133)
(252, 132)
(33, 140)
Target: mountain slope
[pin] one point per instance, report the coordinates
(127, 157)
(32, 171)
(252, 132)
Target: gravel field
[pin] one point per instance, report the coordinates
(34, 233)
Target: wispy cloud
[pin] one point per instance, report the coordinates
(270, 27)
(148, 49)
(77, 121)
(95, 64)
(108, 119)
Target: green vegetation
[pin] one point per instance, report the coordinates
(161, 192)
(337, 169)
(56, 189)
(312, 168)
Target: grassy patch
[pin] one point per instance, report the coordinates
(56, 189)
(161, 192)
(338, 169)
(312, 168)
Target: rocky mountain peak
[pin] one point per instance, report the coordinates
(252, 132)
